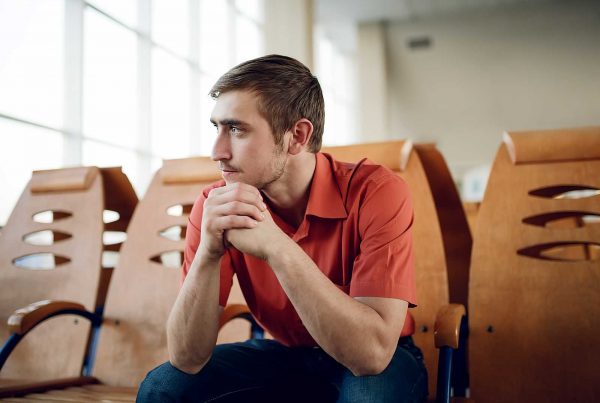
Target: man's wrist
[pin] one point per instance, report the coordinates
(205, 258)
(279, 251)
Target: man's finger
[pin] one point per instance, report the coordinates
(238, 194)
(238, 208)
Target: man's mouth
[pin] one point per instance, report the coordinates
(227, 169)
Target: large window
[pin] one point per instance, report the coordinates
(105, 82)
(338, 76)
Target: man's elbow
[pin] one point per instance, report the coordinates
(186, 360)
(187, 365)
(375, 364)
(368, 369)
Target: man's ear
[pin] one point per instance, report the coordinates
(301, 135)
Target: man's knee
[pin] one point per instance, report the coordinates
(404, 380)
(379, 388)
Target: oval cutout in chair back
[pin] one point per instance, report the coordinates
(178, 210)
(109, 216)
(40, 261)
(563, 219)
(45, 237)
(50, 216)
(171, 259)
(110, 259)
(113, 237)
(565, 192)
(174, 233)
(568, 251)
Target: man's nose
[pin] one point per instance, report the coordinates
(222, 148)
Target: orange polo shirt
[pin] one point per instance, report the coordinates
(357, 230)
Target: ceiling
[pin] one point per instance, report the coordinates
(338, 18)
(373, 10)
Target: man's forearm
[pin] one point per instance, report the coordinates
(348, 330)
(193, 323)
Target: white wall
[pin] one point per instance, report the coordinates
(521, 67)
(373, 81)
(289, 29)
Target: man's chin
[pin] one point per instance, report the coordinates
(231, 181)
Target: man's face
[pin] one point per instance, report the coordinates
(245, 147)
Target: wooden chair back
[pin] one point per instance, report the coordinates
(56, 230)
(148, 276)
(143, 289)
(442, 241)
(535, 290)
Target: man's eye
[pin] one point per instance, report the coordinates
(235, 130)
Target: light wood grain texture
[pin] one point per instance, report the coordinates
(535, 324)
(12, 387)
(471, 209)
(190, 171)
(62, 180)
(55, 348)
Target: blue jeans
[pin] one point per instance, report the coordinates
(267, 371)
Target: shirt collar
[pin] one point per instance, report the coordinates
(325, 199)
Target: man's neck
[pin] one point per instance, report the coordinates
(288, 196)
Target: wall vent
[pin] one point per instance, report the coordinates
(419, 42)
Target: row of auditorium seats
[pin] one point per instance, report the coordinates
(529, 279)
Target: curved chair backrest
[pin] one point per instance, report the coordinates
(535, 275)
(146, 280)
(442, 241)
(51, 249)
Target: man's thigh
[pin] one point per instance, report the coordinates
(234, 371)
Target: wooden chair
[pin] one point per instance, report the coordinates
(535, 276)
(442, 240)
(148, 277)
(142, 291)
(51, 249)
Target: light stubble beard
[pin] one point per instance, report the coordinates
(278, 169)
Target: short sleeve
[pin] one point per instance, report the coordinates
(192, 240)
(384, 266)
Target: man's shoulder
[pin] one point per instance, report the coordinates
(362, 173)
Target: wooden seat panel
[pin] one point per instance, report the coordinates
(534, 320)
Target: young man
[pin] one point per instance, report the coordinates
(322, 251)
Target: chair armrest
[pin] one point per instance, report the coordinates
(233, 311)
(447, 325)
(25, 319)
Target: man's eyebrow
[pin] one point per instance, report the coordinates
(229, 122)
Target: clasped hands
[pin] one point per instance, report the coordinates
(236, 214)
